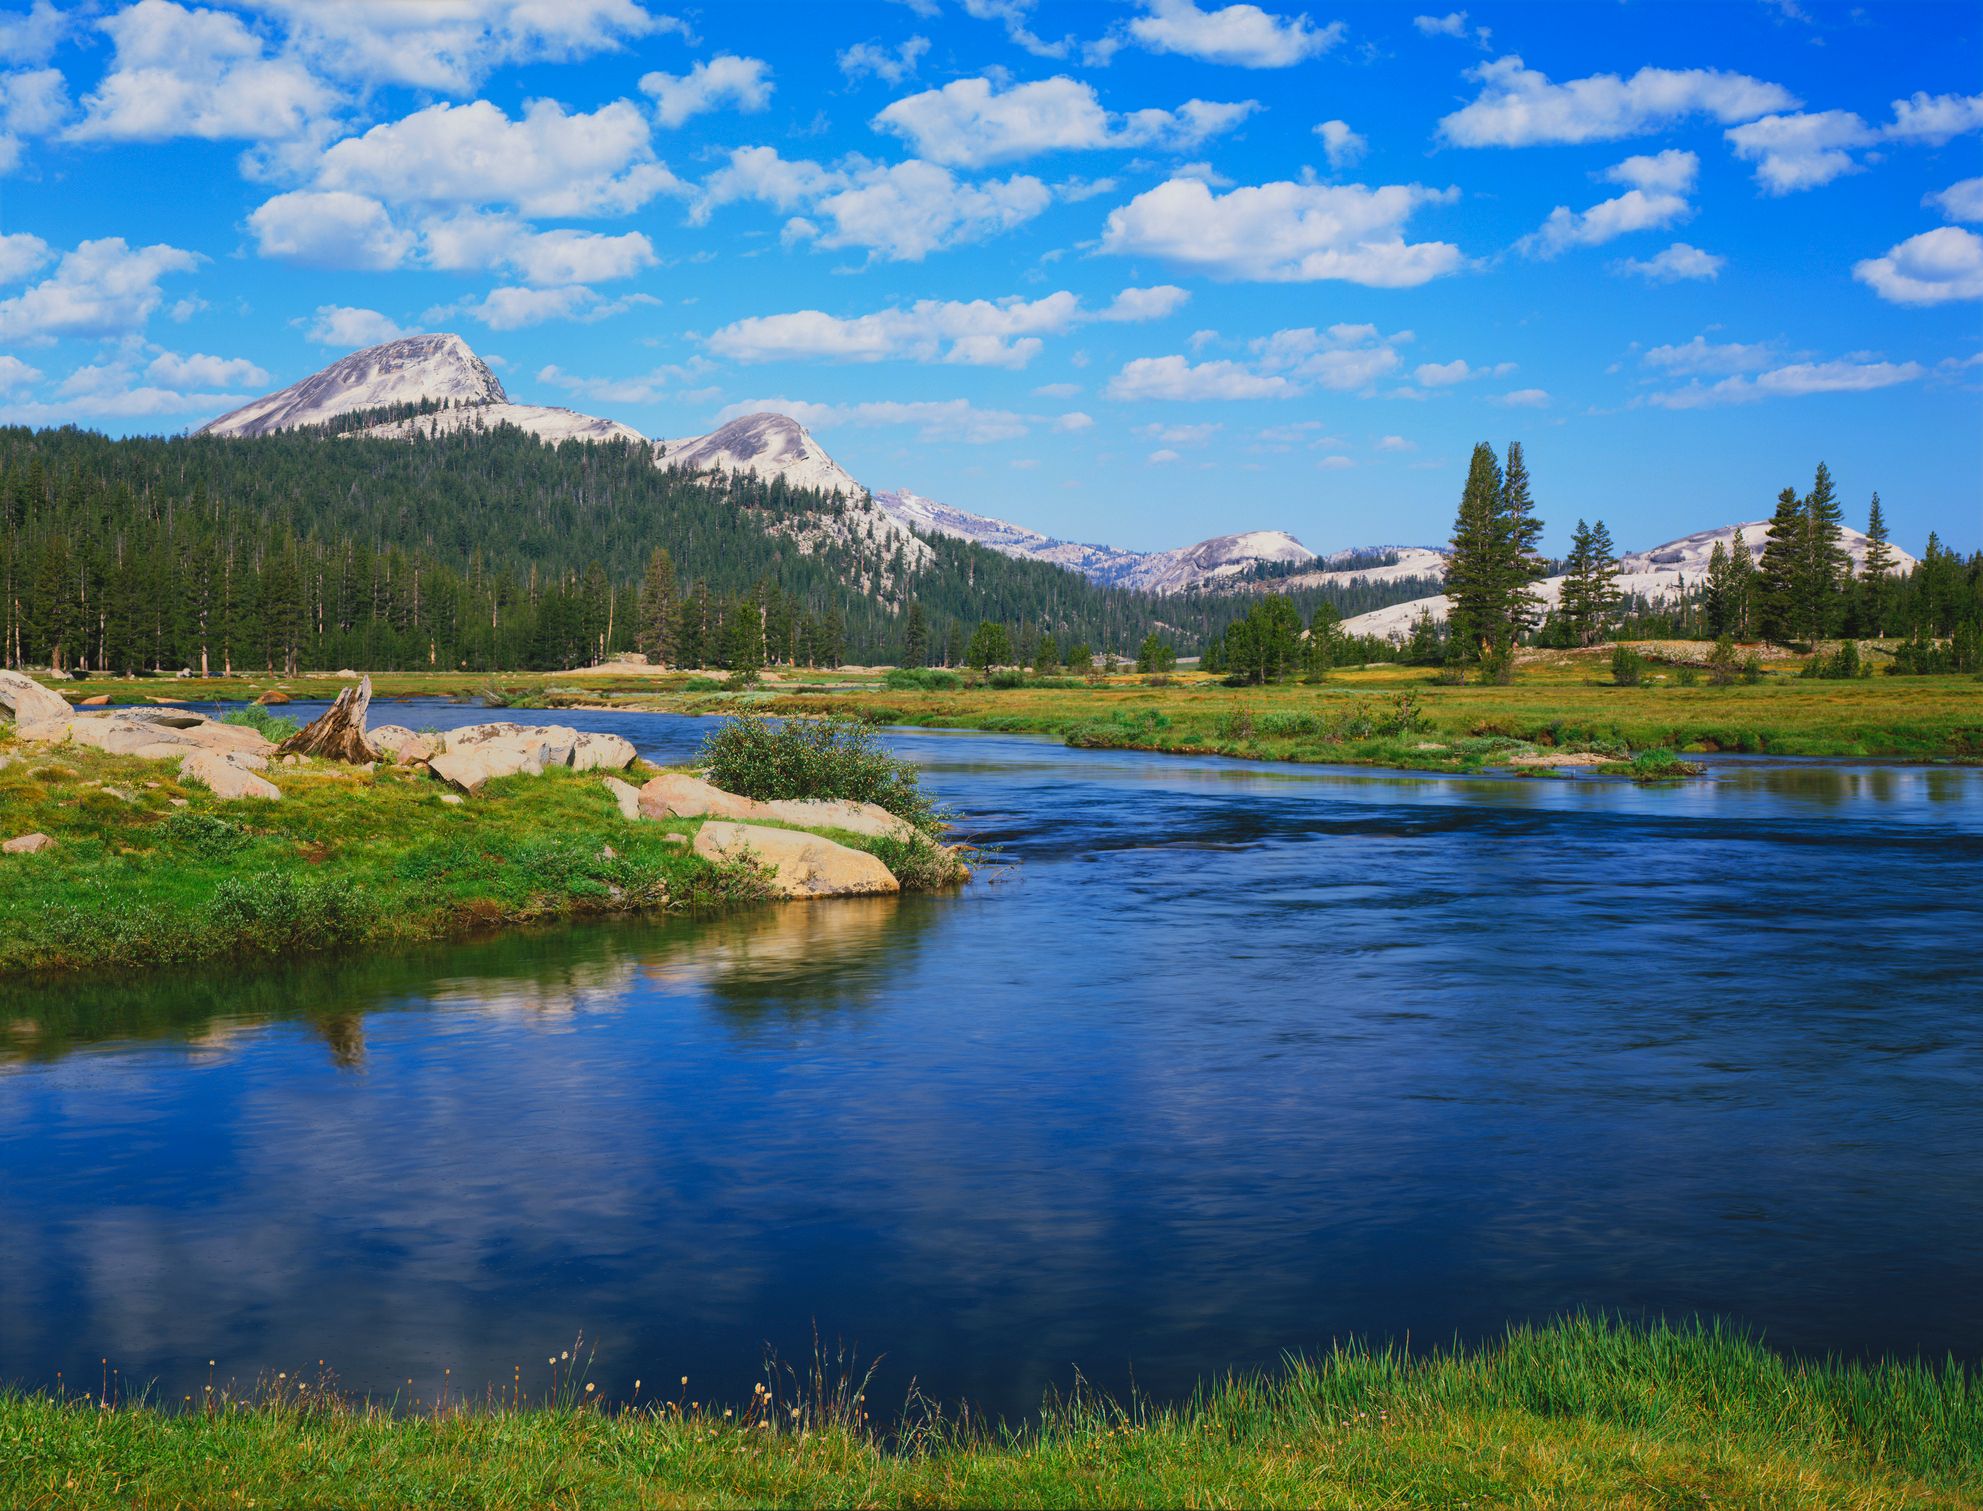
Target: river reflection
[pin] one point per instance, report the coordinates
(1233, 1059)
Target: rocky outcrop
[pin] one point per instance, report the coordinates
(228, 777)
(95, 700)
(798, 865)
(676, 794)
(626, 795)
(870, 819)
(402, 744)
(156, 733)
(27, 844)
(601, 752)
(473, 767)
(27, 701)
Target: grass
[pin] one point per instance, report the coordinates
(346, 859)
(1581, 1412)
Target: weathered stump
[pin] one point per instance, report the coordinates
(340, 734)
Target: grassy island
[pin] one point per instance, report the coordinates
(1579, 1413)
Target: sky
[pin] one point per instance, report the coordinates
(1138, 272)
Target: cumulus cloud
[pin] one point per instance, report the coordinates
(1936, 267)
(31, 36)
(547, 162)
(1657, 198)
(873, 60)
(21, 254)
(343, 325)
(744, 83)
(1701, 355)
(934, 419)
(1285, 232)
(978, 332)
(473, 241)
(334, 229)
(451, 47)
(1677, 263)
(197, 369)
(185, 71)
(33, 102)
(1961, 201)
(1525, 398)
(513, 308)
(1343, 146)
(1519, 107)
(1935, 119)
(972, 122)
(1244, 36)
(900, 212)
(1452, 24)
(1446, 374)
(1798, 378)
(103, 288)
(1801, 151)
(1178, 378)
(14, 373)
(1339, 357)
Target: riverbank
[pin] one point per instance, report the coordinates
(1579, 1412)
(150, 868)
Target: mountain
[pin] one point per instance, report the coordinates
(1204, 564)
(412, 370)
(1658, 575)
(770, 445)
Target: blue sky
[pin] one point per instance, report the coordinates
(1139, 272)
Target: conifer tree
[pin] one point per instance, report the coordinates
(915, 636)
(1777, 577)
(1046, 659)
(1477, 573)
(1822, 565)
(1522, 546)
(1590, 583)
(1876, 576)
(1716, 592)
(1741, 585)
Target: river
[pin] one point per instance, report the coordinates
(1221, 1060)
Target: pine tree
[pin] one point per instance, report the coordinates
(1876, 576)
(657, 608)
(915, 636)
(1822, 566)
(1046, 658)
(1741, 586)
(991, 645)
(1477, 575)
(1777, 577)
(1522, 545)
(1717, 592)
(1590, 583)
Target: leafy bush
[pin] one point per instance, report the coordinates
(1660, 766)
(929, 679)
(1721, 662)
(207, 837)
(1842, 665)
(702, 684)
(1628, 667)
(1687, 676)
(1006, 678)
(918, 863)
(255, 716)
(831, 757)
(1407, 717)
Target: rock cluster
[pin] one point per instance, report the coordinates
(676, 794)
(471, 757)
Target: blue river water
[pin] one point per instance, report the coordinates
(1220, 1060)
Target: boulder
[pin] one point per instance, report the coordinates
(473, 766)
(151, 733)
(27, 701)
(96, 700)
(822, 813)
(27, 844)
(402, 744)
(558, 740)
(626, 795)
(802, 865)
(675, 794)
(225, 779)
(272, 697)
(452, 799)
(601, 752)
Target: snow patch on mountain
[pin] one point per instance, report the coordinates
(437, 367)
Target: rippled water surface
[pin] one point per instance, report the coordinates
(1229, 1060)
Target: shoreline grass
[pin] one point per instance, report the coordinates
(1582, 1411)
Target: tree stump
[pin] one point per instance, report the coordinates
(340, 734)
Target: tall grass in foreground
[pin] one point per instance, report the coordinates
(1581, 1412)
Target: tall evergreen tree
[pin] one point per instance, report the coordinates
(1590, 583)
(1876, 575)
(1477, 575)
(1523, 545)
(1741, 586)
(1777, 577)
(1717, 593)
(915, 635)
(1822, 566)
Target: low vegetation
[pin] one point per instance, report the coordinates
(833, 756)
(1582, 1412)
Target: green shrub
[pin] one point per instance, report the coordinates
(204, 835)
(274, 910)
(929, 679)
(1628, 667)
(1687, 676)
(255, 716)
(1842, 665)
(1006, 678)
(831, 757)
(702, 685)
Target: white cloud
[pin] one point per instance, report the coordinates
(1670, 172)
(1285, 232)
(14, 373)
(509, 309)
(1074, 420)
(1525, 398)
(473, 241)
(20, 254)
(1677, 262)
(1177, 378)
(1181, 435)
(1935, 267)
(345, 326)
(1057, 390)
(1801, 151)
(902, 212)
(451, 45)
(872, 60)
(934, 419)
(709, 85)
(114, 388)
(547, 162)
(32, 36)
(1799, 378)
(198, 369)
(972, 122)
(1343, 145)
(185, 71)
(1519, 107)
(1158, 458)
(1701, 355)
(1634, 210)
(1453, 24)
(103, 288)
(978, 332)
(643, 388)
(33, 102)
(1334, 463)
(1341, 357)
(1442, 374)
(1242, 35)
(1935, 119)
(1396, 443)
(1961, 201)
(1015, 16)
(336, 230)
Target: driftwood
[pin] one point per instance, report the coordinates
(340, 734)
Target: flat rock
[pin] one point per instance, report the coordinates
(558, 740)
(676, 794)
(27, 844)
(823, 813)
(626, 795)
(601, 752)
(803, 865)
(474, 766)
(224, 778)
(402, 744)
(27, 701)
(96, 700)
